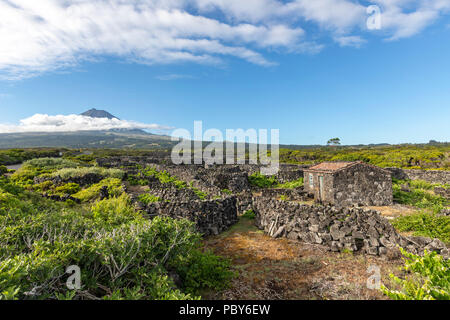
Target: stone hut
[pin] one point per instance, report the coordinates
(349, 183)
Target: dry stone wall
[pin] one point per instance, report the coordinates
(354, 229)
(290, 194)
(432, 176)
(210, 217)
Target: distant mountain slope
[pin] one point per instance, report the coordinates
(114, 138)
(86, 139)
(94, 113)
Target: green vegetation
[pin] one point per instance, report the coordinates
(425, 224)
(49, 164)
(3, 170)
(15, 156)
(200, 194)
(69, 188)
(114, 186)
(68, 173)
(202, 270)
(249, 214)
(148, 198)
(428, 278)
(262, 181)
(291, 185)
(121, 254)
(401, 156)
(420, 195)
(164, 178)
(334, 142)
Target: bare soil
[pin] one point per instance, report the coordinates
(290, 270)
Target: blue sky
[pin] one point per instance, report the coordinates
(309, 81)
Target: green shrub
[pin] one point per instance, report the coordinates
(249, 214)
(3, 170)
(25, 176)
(164, 177)
(121, 254)
(291, 185)
(262, 181)
(418, 197)
(401, 156)
(69, 188)
(425, 224)
(133, 180)
(114, 211)
(148, 198)
(44, 186)
(428, 278)
(15, 156)
(115, 189)
(203, 270)
(202, 195)
(226, 191)
(50, 164)
(68, 173)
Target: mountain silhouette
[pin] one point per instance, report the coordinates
(94, 113)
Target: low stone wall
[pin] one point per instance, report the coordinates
(85, 180)
(244, 202)
(210, 217)
(443, 192)
(290, 173)
(355, 229)
(290, 194)
(432, 176)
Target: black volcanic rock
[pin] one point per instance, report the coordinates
(94, 113)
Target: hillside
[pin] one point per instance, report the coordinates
(85, 139)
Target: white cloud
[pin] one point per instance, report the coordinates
(350, 41)
(38, 36)
(70, 123)
(46, 35)
(406, 18)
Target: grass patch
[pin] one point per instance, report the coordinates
(249, 214)
(262, 181)
(420, 195)
(115, 189)
(425, 224)
(291, 185)
(68, 173)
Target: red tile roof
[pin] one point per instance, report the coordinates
(332, 166)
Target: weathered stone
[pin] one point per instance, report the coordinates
(279, 232)
(357, 235)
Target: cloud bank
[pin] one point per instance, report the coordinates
(45, 35)
(72, 123)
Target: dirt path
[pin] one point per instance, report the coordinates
(289, 270)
